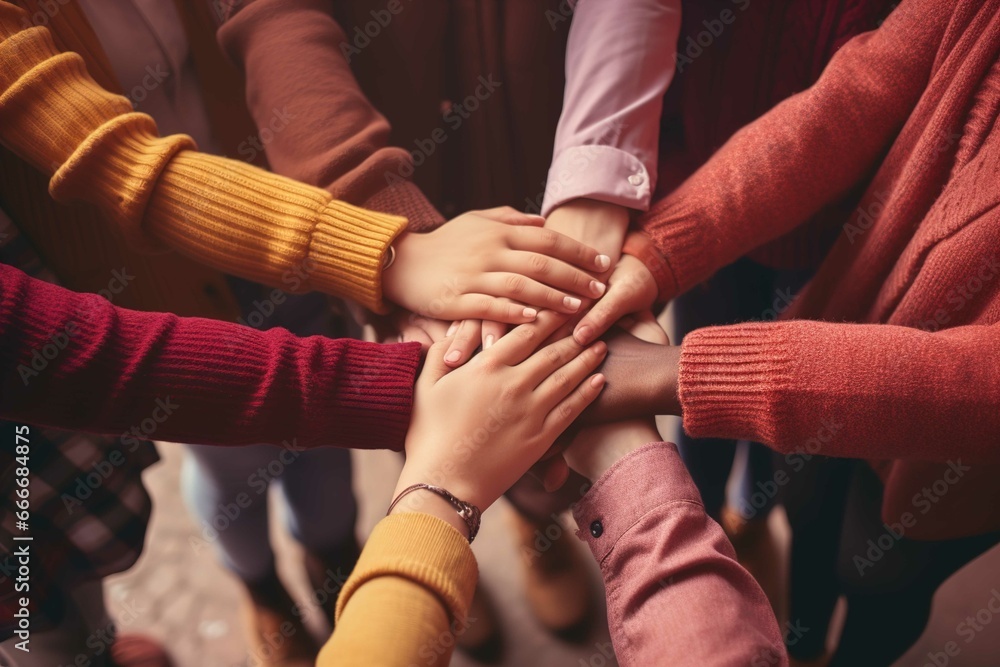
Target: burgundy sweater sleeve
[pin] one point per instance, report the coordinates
(673, 584)
(75, 361)
(807, 152)
(871, 391)
(331, 136)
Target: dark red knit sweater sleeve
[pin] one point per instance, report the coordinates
(873, 391)
(75, 361)
(807, 152)
(331, 136)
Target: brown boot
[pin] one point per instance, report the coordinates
(328, 573)
(138, 651)
(480, 637)
(557, 583)
(277, 637)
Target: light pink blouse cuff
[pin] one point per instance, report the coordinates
(604, 173)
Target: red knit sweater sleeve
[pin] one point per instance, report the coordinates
(75, 361)
(330, 135)
(807, 152)
(871, 391)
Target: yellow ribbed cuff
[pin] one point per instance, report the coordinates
(348, 251)
(423, 549)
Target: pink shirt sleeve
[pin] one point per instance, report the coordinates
(619, 61)
(676, 595)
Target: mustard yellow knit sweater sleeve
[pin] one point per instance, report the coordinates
(164, 194)
(408, 594)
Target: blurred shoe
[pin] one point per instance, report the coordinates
(557, 583)
(277, 637)
(480, 638)
(139, 651)
(742, 532)
(328, 572)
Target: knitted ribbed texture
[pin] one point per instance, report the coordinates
(411, 587)
(732, 378)
(899, 360)
(222, 212)
(74, 361)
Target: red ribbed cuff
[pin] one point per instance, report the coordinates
(683, 240)
(730, 380)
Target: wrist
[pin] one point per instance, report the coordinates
(598, 224)
(616, 442)
(394, 273)
(423, 501)
(667, 381)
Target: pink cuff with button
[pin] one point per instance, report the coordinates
(593, 171)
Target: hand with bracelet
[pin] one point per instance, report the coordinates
(477, 429)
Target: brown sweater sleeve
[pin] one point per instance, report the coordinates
(331, 136)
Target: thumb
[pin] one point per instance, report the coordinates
(511, 216)
(434, 366)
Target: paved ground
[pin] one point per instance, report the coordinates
(178, 593)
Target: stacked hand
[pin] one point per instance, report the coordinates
(475, 430)
(478, 427)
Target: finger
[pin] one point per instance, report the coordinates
(548, 271)
(464, 342)
(554, 474)
(554, 244)
(492, 332)
(511, 216)
(527, 291)
(434, 366)
(487, 307)
(548, 359)
(616, 304)
(563, 414)
(522, 342)
(567, 377)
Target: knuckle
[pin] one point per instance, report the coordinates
(540, 264)
(484, 305)
(564, 412)
(549, 239)
(528, 334)
(516, 284)
(562, 379)
(553, 354)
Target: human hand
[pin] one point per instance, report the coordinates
(493, 265)
(642, 380)
(596, 224)
(631, 334)
(475, 430)
(631, 290)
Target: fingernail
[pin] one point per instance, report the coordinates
(597, 381)
(600, 347)
(597, 287)
(530, 313)
(603, 262)
(451, 329)
(489, 341)
(453, 356)
(583, 335)
(572, 303)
